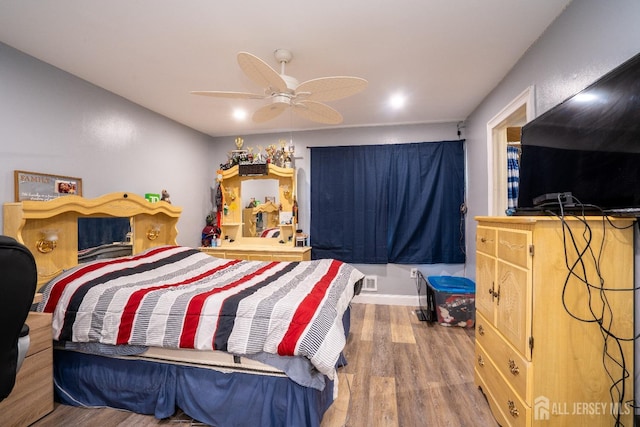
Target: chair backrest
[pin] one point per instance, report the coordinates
(18, 278)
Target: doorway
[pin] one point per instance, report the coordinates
(516, 114)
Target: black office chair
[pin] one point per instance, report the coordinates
(18, 279)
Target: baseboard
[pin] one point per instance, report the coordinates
(381, 299)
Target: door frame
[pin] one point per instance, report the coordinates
(518, 112)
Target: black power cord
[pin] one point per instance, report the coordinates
(613, 358)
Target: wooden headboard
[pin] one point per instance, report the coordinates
(152, 224)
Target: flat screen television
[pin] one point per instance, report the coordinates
(588, 145)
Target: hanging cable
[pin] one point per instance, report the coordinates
(581, 246)
(461, 125)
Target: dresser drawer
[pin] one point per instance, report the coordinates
(486, 240)
(32, 394)
(264, 253)
(236, 255)
(293, 258)
(512, 409)
(259, 257)
(39, 332)
(512, 365)
(513, 246)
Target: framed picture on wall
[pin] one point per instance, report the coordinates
(43, 187)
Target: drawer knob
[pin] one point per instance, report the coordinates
(513, 367)
(512, 409)
(483, 239)
(480, 360)
(481, 329)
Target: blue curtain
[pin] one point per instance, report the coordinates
(513, 176)
(397, 203)
(348, 203)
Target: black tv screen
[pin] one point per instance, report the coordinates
(589, 145)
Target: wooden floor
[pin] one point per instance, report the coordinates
(402, 372)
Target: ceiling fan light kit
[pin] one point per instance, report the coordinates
(283, 91)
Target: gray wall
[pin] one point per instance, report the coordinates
(590, 38)
(52, 122)
(393, 279)
(587, 40)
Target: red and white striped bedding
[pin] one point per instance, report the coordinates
(271, 232)
(178, 297)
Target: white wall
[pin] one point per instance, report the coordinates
(52, 122)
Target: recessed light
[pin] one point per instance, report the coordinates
(397, 101)
(239, 114)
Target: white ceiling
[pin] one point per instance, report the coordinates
(444, 55)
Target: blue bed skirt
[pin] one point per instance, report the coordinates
(209, 396)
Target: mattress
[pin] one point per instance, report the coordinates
(218, 360)
(296, 368)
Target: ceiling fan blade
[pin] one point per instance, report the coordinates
(317, 112)
(330, 88)
(269, 112)
(261, 73)
(235, 95)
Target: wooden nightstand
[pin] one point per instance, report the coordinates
(37, 298)
(32, 396)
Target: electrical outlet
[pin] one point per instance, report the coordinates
(414, 273)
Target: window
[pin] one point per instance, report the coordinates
(396, 203)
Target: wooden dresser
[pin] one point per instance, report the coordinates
(32, 395)
(260, 253)
(536, 364)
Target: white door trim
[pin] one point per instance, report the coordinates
(495, 184)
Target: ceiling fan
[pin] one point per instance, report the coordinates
(283, 91)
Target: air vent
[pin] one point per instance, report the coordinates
(370, 283)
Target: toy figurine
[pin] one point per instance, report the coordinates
(165, 196)
(210, 231)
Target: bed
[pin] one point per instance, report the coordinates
(271, 232)
(229, 342)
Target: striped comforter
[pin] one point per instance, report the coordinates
(178, 297)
